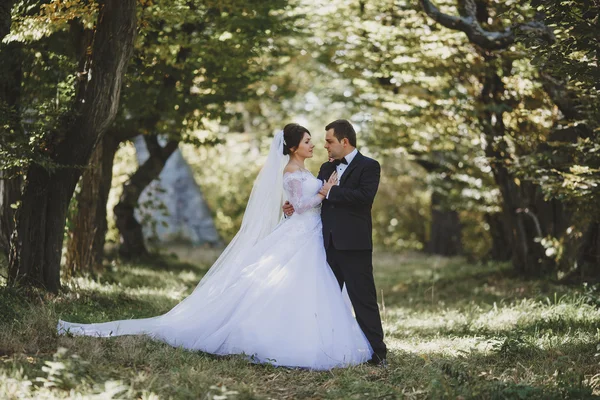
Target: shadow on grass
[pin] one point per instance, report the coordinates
(456, 283)
(516, 372)
(161, 262)
(160, 272)
(91, 306)
(199, 261)
(515, 366)
(452, 290)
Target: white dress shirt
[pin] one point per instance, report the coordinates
(342, 167)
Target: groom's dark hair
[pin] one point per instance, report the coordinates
(343, 129)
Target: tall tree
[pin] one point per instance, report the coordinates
(191, 60)
(548, 199)
(36, 246)
(132, 239)
(86, 237)
(11, 74)
(523, 208)
(567, 167)
(6, 192)
(11, 57)
(5, 17)
(412, 89)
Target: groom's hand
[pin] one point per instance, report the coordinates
(288, 209)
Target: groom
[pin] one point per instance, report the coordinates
(347, 227)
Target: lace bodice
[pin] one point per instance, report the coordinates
(302, 189)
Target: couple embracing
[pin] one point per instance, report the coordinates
(275, 293)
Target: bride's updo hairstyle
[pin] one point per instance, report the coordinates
(292, 136)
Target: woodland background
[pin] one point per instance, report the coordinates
(484, 115)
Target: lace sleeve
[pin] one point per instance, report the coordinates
(293, 185)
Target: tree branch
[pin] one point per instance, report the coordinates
(446, 20)
(170, 148)
(154, 148)
(485, 39)
(558, 92)
(5, 17)
(467, 8)
(429, 166)
(158, 151)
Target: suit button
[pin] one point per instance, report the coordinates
(332, 206)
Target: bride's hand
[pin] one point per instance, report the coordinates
(333, 179)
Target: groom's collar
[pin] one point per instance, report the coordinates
(351, 156)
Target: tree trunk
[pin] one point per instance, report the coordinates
(525, 216)
(446, 230)
(5, 17)
(554, 216)
(523, 224)
(445, 238)
(588, 257)
(37, 243)
(10, 193)
(130, 230)
(10, 95)
(500, 250)
(85, 249)
(581, 251)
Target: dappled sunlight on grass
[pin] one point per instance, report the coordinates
(158, 277)
(84, 285)
(202, 257)
(453, 329)
(60, 377)
(532, 314)
(453, 346)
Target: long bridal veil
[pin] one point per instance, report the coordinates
(262, 215)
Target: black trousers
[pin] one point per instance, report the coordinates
(355, 268)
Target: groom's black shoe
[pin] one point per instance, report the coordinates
(378, 361)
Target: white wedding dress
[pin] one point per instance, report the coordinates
(275, 301)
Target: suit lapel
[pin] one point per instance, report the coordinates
(357, 160)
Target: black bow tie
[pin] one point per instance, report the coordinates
(338, 162)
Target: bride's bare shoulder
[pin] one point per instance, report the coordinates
(290, 169)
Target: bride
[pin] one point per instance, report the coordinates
(270, 295)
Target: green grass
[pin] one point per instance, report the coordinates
(454, 330)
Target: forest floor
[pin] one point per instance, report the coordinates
(454, 330)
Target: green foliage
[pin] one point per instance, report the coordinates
(192, 58)
(575, 53)
(413, 89)
(46, 90)
(223, 76)
(569, 168)
(34, 20)
(38, 59)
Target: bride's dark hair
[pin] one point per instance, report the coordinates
(292, 136)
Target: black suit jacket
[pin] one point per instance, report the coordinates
(346, 214)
